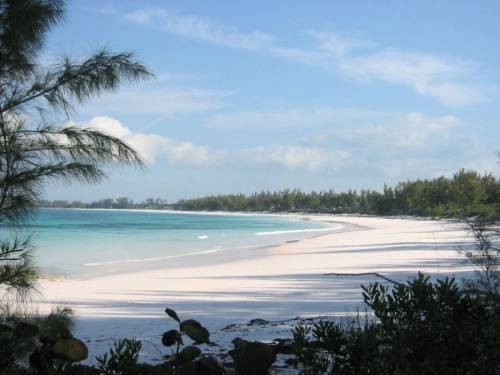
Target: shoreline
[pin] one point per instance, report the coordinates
(277, 283)
(218, 254)
(257, 251)
(261, 213)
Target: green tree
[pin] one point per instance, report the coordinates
(467, 189)
(34, 147)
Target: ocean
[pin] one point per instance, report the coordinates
(85, 243)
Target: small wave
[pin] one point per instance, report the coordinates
(330, 229)
(202, 237)
(143, 260)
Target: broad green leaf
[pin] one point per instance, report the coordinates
(171, 313)
(70, 349)
(195, 331)
(171, 337)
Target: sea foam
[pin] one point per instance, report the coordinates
(275, 232)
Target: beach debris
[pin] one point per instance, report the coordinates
(231, 326)
(258, 322)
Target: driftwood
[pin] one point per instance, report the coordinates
(364, 274)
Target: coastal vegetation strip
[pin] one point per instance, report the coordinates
(466, 193)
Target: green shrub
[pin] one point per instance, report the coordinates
(187, 359)
(122, 358)
(420, 327)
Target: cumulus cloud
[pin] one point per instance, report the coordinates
(357, 58)
(395, 146)
(153, 147)
(408, 145)
(360, 142)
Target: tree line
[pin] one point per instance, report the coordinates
(108, 203)
(465, 193)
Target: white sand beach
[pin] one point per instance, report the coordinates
(276, 284)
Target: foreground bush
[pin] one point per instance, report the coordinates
(420, 327)
(40, 345)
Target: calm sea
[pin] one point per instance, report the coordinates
(90, 242)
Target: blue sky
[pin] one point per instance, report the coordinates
(265, 95)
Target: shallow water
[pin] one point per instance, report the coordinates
(89, 242)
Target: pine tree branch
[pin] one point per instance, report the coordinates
(101, 72)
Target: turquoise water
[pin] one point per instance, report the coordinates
(89, 242)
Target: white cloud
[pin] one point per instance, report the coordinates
(296, 157)
(349, 124)
(141, 17)
(351, 139)
(153, 146)
(392, 144)
(160, 101)
(411, 145)
(276, 119)
(338, 45)
(391, 147)
(454, 94)
(194, 27)
(297, 117)
(428, 75)
(202, 29)
(409, 132)
(188, 154)
(402, 66)
(475, 158)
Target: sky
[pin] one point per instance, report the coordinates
(266, 95)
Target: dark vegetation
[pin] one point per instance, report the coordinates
(34, 148)
(108, 203)
(467, 193)
(422, 326)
